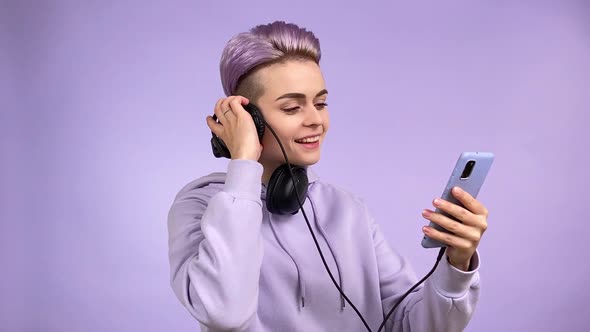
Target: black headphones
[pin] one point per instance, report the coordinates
(281, 192)
(286, 192)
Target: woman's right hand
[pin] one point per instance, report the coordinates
(236, 128)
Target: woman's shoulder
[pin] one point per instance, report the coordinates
(202, 188)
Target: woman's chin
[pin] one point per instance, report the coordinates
(303, 160)
(306, 160)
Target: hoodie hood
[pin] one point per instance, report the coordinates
(216, 182)
(218, 179)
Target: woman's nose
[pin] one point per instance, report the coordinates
(312, 116)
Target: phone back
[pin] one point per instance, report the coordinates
(471, 182)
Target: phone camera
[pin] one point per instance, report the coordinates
(468, 169)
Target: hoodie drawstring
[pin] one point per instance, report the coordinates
(299, 270)
(331, 247)
(300, 278)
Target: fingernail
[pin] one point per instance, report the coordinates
(437, 202)
(425, 229)
(457, 190)
(425, 213)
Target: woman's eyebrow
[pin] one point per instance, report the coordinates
(296, 95)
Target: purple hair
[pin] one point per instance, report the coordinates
(264, 45)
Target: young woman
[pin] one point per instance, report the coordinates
(238, 267)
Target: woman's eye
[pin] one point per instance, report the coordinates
(291, 110)
(321, 106)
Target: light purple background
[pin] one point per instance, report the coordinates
(103, 108)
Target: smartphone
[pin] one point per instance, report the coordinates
(469, 174)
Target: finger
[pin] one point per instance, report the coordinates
(449, 239)
(227, 101)
(236, 105)
(460, 213)
(467, 232)
(244, 100)
(215, 126)
(229, 112)
(226, 106)
(218, 110)
(469, 201)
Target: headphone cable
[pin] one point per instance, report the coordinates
(440, 254)
(438, 258)
(311, 231)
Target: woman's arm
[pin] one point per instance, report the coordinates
(215, 248)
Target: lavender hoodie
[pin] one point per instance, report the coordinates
(236, 267)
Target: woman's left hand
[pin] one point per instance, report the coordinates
(466, 235)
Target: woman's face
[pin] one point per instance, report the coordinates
(294, 104)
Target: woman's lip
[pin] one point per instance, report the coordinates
(312, 145)
(297, 139)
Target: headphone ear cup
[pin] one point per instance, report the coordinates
(281, 195)
(219, 148)
(258, 119)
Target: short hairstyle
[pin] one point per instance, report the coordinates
(262, 46)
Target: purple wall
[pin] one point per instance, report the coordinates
(103, 122)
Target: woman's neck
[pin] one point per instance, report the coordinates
(267, 172)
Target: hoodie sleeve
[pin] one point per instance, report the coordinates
(215, 249)
(445, 302)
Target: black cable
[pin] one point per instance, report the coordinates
(440, 253)
(311, 231)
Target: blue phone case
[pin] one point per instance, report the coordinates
(471, 184)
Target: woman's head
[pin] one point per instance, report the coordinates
(263, 45)
(276, 66)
